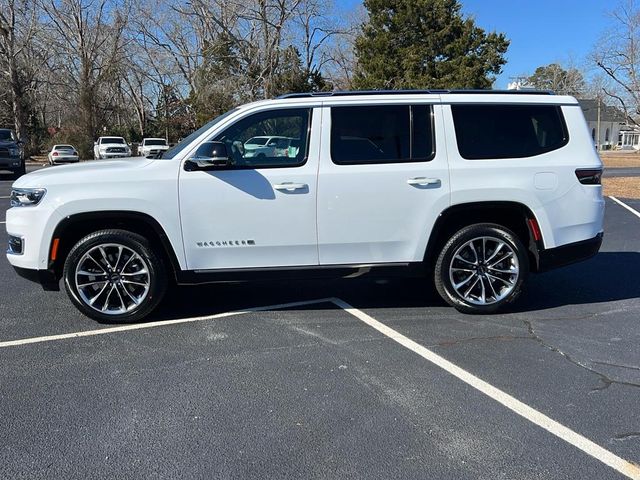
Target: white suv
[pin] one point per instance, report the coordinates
(474, 188)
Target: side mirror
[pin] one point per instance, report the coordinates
(211, 155)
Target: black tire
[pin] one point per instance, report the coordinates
(493, 290)
(114, 271)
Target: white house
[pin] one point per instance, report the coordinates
(615, 132)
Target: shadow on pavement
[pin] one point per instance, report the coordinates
(609, 276)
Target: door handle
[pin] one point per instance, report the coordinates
(423, 181)
(290, 186)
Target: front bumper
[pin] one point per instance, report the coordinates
(10, 162)
(567, 254)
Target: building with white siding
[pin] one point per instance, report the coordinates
(615, 132)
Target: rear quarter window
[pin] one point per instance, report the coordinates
(508, 131)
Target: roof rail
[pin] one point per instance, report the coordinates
(348, 93)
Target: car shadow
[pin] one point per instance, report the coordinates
(609, 276)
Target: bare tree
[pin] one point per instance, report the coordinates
(18, 25)
(618, 56)
(87, 37)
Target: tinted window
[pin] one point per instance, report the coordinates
(286, 129)
(381, 134)
(508, 131)
(113, 140)
(6, 135)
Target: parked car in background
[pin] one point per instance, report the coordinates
(152, 146)
(265, 146)
(63, 154)
(11, 152)
(111, 147)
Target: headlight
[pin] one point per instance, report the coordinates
(26, 197)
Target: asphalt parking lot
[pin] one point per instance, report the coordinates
(341, 379)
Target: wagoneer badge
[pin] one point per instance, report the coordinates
(226, 243)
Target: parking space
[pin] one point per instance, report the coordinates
(319, 389)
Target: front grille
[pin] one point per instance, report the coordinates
(115, 150)
(4, 152)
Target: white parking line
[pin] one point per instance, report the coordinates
(626, 468)
(622, 204)
(162, 323)
(5, 197)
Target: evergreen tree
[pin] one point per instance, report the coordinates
(292, 77)
(425, 44)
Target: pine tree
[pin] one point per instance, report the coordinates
(425, 44)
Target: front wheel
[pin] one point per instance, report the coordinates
(481, 268)
(114, 276)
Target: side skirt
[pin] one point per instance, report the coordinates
(194, 277)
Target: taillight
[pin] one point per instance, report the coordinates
(589, 176)
(55, 154)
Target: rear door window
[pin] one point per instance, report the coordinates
(508, 131)
(381, 134)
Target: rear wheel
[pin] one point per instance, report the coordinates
(114, 276)
(481, 268)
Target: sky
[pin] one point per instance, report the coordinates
(541, 31)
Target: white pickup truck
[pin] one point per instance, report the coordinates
(111, 147)
(152, 146)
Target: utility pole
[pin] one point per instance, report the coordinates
(598, 127)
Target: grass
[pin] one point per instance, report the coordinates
(620, 160)
(623, 187)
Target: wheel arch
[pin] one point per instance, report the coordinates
(513, 215)
(74, 227)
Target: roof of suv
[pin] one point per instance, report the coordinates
(349, 93)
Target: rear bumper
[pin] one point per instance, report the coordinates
(567, 254)
(46, 278)
(65, 159)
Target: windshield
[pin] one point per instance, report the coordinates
(155, 142)
(6, 135)
(173, 151)
(112, 140)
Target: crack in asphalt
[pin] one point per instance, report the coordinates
(606, 381)
(627, 436)
(450, 343)
(629, 367)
